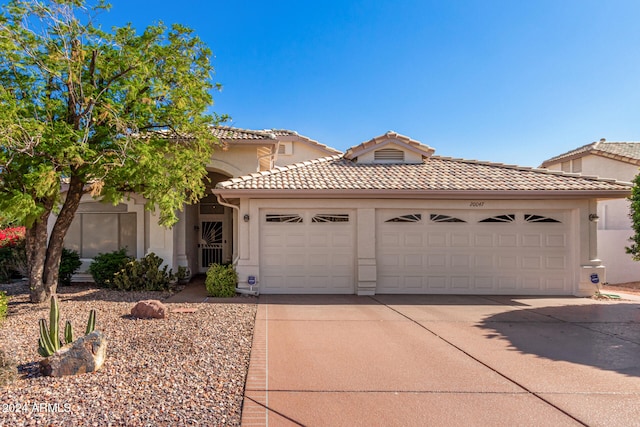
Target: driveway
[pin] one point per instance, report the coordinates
(392, 360)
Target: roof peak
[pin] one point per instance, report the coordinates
(390, 137)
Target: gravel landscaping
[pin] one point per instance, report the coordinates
(189, 369)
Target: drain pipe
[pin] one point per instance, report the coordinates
(235, 260)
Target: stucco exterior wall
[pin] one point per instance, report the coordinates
(235, 161)
(301, 151)
(608, 168)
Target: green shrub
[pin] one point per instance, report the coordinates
(221, 280)
(13, 261)
(4, 302)
(8, 369)
(69, 265)
(5, 269)
(105, 266)
(144, 275)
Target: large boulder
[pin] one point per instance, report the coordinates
(150, 309)
(86, 354)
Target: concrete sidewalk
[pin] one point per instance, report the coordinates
(443, 360)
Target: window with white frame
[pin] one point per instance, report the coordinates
(100, 228)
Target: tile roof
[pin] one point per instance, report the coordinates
(628, 152)
(435, 174)
(227, 133)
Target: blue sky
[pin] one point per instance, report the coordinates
(507, 81)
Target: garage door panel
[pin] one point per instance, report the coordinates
(390, 239)
(436, 260)
(270, 240)
(556, 240)
(507, 240)
(508, 261)
(532, 240)
(533, 262)
(484, 240)
(556, 263)
(555, 284)
(436, 239)
(518, 255)
(509, 283)
(318, 240)
(436, 282)
(343, 239)
(297, 240)
(460, 282)
(484, 282)
(414, 240)
(460, 240)
(413, 260)
(483, 261)
(460, 261)
(413, 282)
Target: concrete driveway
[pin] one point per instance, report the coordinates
(443, 360)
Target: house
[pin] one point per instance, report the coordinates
(204, 232)
(618, 160)
(387, 216)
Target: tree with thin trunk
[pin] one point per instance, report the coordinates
(105, 113)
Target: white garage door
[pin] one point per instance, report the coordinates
(307, 252)
(476, 252)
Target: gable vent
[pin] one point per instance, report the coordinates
(388, 155)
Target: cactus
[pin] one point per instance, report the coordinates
(54, 319)
(68, 333)
(91, 323)
(45, 346)
(49, 341)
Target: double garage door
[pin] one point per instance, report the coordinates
(419, 251)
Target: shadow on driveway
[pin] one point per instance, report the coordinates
(605, 336)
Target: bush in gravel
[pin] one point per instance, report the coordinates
(221, 280)
(8, 369)
(69, 265)
(4, 302)
(144, 275)
(105, 266)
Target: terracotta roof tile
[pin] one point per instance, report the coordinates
(227, 133)
(434, 174)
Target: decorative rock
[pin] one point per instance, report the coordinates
(150, 309)
(86, 354)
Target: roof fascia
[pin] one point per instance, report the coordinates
(422, 194)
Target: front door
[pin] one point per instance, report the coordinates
(212, 241)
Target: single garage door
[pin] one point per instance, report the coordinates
(307, 252)
(474, 252)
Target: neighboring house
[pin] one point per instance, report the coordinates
(620, 161)
(390, 217)
(204, 233)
